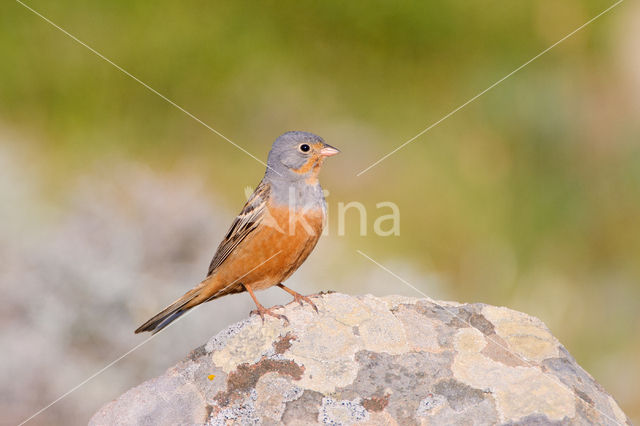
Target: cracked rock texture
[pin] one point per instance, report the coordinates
(371, 360)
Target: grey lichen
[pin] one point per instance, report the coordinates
(341, 412)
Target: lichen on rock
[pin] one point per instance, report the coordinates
(370, 360)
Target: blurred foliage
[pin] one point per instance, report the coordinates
(529, 197)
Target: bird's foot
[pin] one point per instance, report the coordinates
(300, 298)
(297, 297)
(262, 311)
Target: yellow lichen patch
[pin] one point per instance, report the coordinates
(326, 376)
(211, 376)
(248, 345)
(525, 335)
(327, 354)
(376, 333)
(351, 317)
(470, 340)
(518, 391)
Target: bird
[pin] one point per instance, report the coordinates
(273, 235)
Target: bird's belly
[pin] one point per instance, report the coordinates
(277, 248)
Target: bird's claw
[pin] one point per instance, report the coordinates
(300, 298)
(262, 311)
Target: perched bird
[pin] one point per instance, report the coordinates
(272, 236)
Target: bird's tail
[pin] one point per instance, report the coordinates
(193, 297)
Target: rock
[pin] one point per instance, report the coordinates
(370, 360)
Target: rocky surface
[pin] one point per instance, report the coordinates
(370, 360)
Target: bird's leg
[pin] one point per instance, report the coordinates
(261, 310)
(297, 297)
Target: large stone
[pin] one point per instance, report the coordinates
(370, 360)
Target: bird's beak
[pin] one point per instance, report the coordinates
(329, 151)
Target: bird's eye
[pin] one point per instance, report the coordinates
(304, 147)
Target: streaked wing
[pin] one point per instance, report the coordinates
(245, 223)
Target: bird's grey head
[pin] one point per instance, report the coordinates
(297, 155)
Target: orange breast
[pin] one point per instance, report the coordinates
(275, 250)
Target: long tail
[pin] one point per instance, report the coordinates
(194, 297)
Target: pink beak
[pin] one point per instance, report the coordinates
(329, 151)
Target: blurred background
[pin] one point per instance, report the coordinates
(112, 201)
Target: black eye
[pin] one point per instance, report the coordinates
(304, 147)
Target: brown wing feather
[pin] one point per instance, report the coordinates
(245, 223)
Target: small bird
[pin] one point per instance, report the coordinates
(272, 236)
